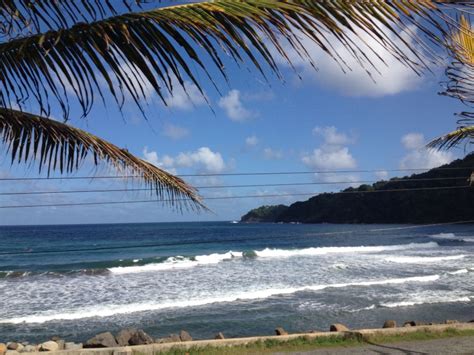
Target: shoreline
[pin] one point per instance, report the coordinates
(338, 336)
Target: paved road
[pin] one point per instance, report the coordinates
(456, 345)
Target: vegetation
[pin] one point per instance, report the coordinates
(440, 196)
(264, 214)
(307, 343)
(59, 54)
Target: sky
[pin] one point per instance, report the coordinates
(313, 120)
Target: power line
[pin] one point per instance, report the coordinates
(238, 174)
(231, 197)
(228, 186)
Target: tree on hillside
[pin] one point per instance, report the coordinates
(54, 53)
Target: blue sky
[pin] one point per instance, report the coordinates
(329, 120)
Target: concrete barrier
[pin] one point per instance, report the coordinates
(156, 348)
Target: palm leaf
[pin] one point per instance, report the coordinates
(154, 47)
(454, 138)
(57, 146)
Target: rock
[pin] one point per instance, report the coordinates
(390, 324)
(409, 324)
(140, 338)
(3, 348)
(451, 321)
(102, 340)
(49, 346)
(281, 331)
(184, 336)
(12, 352)
(219, 336)
(15, 346)
(124, 351)
(173, 338)
(72, 346)
(123, 337)
(338, 327)
(29, 349)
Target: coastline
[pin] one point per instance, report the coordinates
(314, 340)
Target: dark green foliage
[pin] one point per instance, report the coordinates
(357, 205)
(264, 214)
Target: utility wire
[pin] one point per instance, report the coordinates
(237, 174)
(232, 197)
(228, 186)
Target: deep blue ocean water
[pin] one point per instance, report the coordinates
(239, 279)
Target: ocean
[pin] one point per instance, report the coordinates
(240, 279)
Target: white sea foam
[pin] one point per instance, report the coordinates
(111, 310)
(422, 259)
(178, 262)
(284, 253)
(453, 237)
(427, 300)
(458, 272)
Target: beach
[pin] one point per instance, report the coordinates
(242, 280)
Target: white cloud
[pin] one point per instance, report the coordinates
(390, 78)
(332, 136)
(329, 157)
(185, 99)
(381, 174)
(413, 140)
(272, 154)
(175, 132)
(419, 157)
(234, 108)
(251, 141)
(203, 160)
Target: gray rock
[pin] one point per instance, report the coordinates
(280, 331)
(49, 346)
(72, 346)
(102, 340)
(173, 338)
(409, 324)
(338, 327)
(140, 338)
(123, 337)
(390, 324)
(15, 346)
(29, 349)
(219, 336)
(185, 336)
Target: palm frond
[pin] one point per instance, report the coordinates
(454, 138)
(58, 146)
(155, 47)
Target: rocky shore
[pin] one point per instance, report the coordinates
(136, 337)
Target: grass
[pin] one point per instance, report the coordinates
(306, 343)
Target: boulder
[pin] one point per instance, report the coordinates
(3, 348)
(409, 324)
(280, 331)
(29, 349)
(390, 324)
(72, 346)
(49, 346)
(338, 327)
(15, 346)
(173, 338)
(123, 351)
(102, 340)
(123, 337)
(185, 336)
(451, 321)
(12, 352)
(140, 338)
(219, 336)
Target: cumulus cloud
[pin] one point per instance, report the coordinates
(418, 156)
(330, 157)
(272, 154)
(391, 78)
(251, 141)
(203, 160)
(381, 174)
(234, 108)
(332, 136)
(175, 132)
(185, 99)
